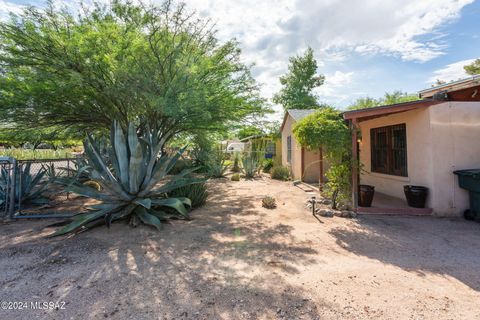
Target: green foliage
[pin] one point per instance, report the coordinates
(29, 154)
(387, 99)
(248, 131)
(269, 202)
(280, 173)
(29, 186)
(473, 68)
(135, 184)
(55, 137)
(236, 162)
(235, 177)
(338, 187)
(216, 166)
(251, 165)
(324, 129)
(299, 82)
(197, 193)
(267, 165)
(157, 66)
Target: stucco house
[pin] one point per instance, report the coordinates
(305, 165)
(419, 143)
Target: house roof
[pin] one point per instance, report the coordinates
(380, 111)
(296, 114)
(451, 86)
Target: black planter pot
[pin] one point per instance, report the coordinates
(365, 195)
(416, 195)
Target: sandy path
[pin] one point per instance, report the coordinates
(237, 260)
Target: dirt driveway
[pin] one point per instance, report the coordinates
(237, 260)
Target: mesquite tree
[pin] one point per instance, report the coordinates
(156, 66)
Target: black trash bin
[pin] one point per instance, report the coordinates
(470, 180)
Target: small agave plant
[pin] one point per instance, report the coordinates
(29, 186)
(134, 183)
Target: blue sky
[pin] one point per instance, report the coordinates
(364, 48)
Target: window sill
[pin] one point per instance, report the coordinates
(388, 176)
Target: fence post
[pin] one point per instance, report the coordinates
(12, 188)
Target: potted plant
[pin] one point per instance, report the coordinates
(365, 193)
(416, 195)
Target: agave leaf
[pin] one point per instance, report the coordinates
(173, 203)
(136, 160)
(87, 191)
(148, 218)
(146, 203)
(120, 146)
(80, 221)
(185, 201)
(155, 150)
(97, 160)
(175, 184)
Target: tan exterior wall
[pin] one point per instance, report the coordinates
(440, 139)
(312, 172)
(455, 128)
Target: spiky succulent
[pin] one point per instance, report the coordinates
(29, 186)
(135, 184)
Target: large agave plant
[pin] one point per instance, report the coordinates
(134, 186)
(29, 186)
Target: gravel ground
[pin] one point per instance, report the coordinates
(237, 260)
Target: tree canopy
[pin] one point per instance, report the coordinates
(324, 128)
(299, 82)
(158, 66)
(473, 68)
(389, 98)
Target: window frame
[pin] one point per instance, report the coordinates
(385, 155)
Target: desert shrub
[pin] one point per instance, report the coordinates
(267, 165)
(279, 173)
(269, 202)
(235, 177)
(216, 165)
(338, 187)
(251, 166)
(236, 162)
(197, 193)
(181, 165)
(29, 184)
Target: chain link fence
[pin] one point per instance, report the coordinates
(27, 189)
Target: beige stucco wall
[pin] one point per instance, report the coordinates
(455, 128)
(440, 139)
(295, 163)
(311, 172)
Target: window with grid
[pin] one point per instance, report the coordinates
(289, 149)
(389, 150)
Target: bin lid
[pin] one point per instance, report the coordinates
(468, 172)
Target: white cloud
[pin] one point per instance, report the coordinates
(450, 72)
(7, 7)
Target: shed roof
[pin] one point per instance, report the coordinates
(297, 114)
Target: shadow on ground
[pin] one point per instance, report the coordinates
(423, 245)
(223, 264)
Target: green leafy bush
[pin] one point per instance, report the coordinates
(235, 177)
(197, 193)
(268, 165)
(280, 173)
(136, 186)
(338, 187)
